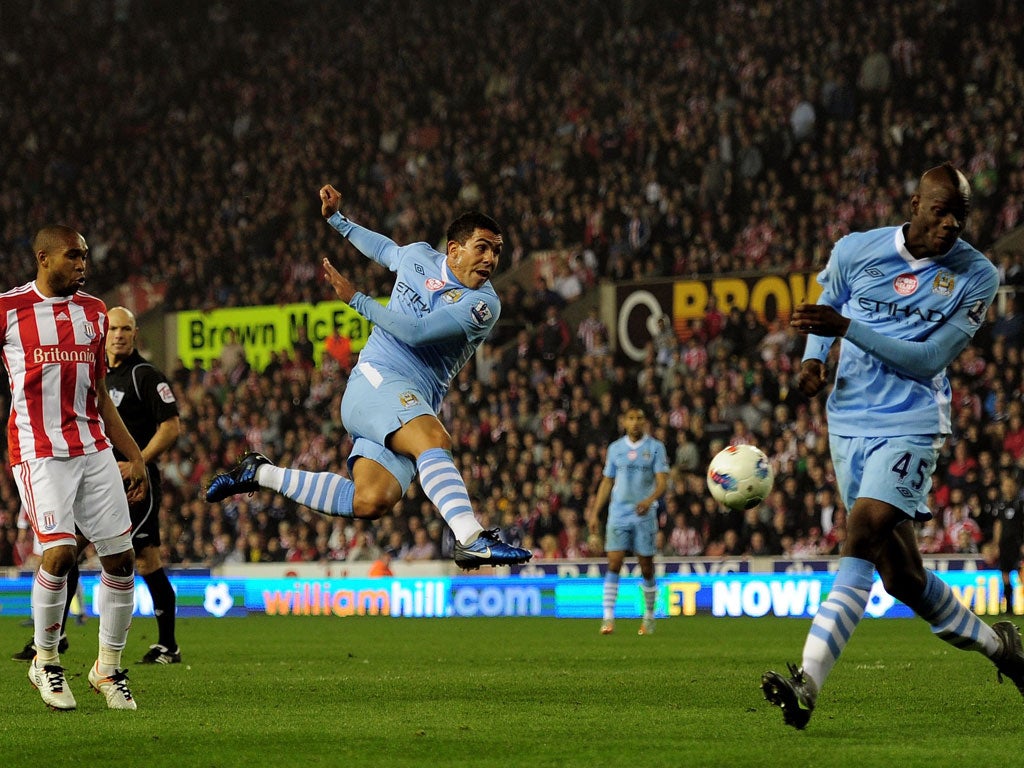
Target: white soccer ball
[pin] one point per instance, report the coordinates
(740, 476)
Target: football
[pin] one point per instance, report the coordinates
(740, 476)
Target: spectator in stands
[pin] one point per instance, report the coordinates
(302, 348)
(592, 334)
(339, 346)
(553, 338)
(279, 243)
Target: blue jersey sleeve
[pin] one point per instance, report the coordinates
(929, 357)
(835, 289)
(414, 331)
(835, 293)
(920, 359)
(661, 465)
(477, 317)
(373, 245)
(612, 457)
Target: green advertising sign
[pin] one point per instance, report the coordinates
(262, 330)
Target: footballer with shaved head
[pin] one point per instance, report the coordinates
(903, 301)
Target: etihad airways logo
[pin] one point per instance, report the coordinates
(411, 298)
(43, 355)
(892, 309)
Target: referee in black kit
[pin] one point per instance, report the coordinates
(148, 408)
(1009, 533)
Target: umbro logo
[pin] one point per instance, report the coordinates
(419, 270)
(873, 272)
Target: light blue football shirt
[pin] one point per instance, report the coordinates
(873, 279)
(633, 467)
(424, 285)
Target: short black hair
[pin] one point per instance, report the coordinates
(52, 236)
(468, 222)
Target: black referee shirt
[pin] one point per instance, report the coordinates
(142, 397)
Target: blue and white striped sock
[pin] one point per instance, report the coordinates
(837, 617)
(650, 591)
(323, 491)
(443, 485)
(611, 594)
(953, 622)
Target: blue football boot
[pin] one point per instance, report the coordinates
(241, 479)
(488, 549)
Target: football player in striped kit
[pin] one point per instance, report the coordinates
(61, 431)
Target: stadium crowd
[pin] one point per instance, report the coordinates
(530, 437)
(644, 140)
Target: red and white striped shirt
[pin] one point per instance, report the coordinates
(53, 349)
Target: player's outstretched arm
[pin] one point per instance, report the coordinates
(373, 245)
(415, 331)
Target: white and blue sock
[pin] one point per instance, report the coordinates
(442, 483)
(953, 622)
(325, 492)
(837, 617)
(611, 594)
(650, 590)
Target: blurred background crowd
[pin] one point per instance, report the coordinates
(648, 140)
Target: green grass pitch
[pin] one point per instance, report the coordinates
(322, 691)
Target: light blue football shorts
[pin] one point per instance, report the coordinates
(896, 470)
(627, 531)
(375, 405)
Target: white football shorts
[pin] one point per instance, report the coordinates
(59, 494)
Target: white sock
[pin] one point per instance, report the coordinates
(650, 591)
(610, 595)
(115, 601)
(49, 593)
(270, 476)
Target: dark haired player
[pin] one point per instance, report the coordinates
(442, 307)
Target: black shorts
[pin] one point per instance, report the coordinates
(145, 515)
(1009, 556)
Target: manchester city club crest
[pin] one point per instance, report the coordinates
(943, 283)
